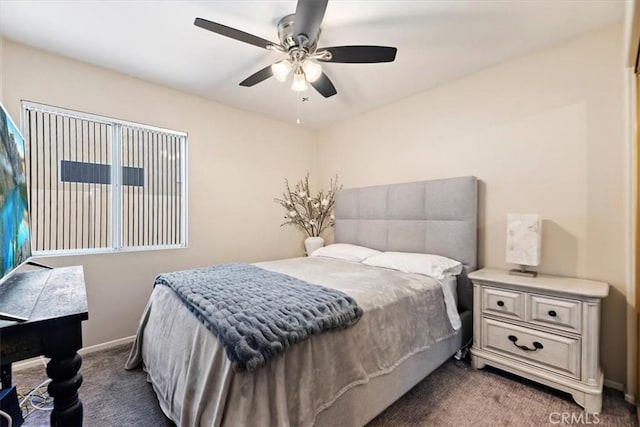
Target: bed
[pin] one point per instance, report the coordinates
(343, 377)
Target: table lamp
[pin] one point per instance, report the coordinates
(524, 240)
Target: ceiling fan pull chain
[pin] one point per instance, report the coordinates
(298, 96)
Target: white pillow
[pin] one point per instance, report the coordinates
(435, 266)
(345, 251)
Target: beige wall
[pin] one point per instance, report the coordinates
(544, 133)
(237, 163)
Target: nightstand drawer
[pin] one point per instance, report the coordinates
(559, 313)
(503, 302)
(553, 352)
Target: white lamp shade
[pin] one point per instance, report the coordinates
(312, 70)
(299, 82)
(281, 70)
(524, 239)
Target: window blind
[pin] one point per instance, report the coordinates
(100, 184)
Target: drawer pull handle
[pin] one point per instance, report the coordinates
(500, 303)
(552, 313)
(537, 346)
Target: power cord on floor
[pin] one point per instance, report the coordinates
(462, 353)
(27, 401)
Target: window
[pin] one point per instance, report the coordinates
(101, 185)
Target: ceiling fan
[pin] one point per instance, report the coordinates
(298, 34)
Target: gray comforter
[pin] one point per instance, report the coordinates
(257, 314)
(196, 385)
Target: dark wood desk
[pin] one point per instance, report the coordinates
(53, 330)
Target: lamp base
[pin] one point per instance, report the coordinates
(523, 272)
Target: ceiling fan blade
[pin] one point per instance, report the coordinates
(324, 86)
(360, 54)
(256, 78)
(309, 15)
(232, 33)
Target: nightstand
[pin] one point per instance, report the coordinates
(545, 329)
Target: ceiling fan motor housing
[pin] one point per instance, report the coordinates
(286, 36)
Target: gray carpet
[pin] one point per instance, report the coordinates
(453, 395)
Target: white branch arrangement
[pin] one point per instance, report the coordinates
(311, 214)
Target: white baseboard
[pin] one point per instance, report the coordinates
(36, 361)
(106, 345)
(613, 384)
(29, 363)
(617, 386)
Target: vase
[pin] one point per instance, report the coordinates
(313, 243)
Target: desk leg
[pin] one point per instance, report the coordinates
(61, 346)
(64, 385)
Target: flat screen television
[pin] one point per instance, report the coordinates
(14, 202)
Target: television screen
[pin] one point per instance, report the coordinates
(14, 206)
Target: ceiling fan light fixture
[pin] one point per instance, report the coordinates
(299, 82)
(312, 70)
(281, 70)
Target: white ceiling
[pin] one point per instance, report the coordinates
(437, 41)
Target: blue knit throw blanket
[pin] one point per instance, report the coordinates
(257, 313)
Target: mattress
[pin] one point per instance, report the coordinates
(404, 315)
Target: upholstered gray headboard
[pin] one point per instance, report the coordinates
(436, 217)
